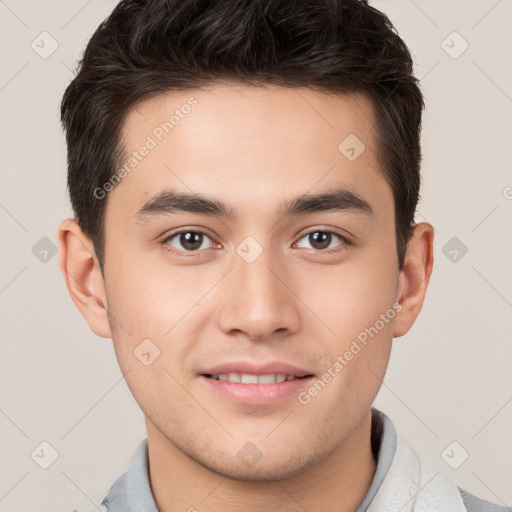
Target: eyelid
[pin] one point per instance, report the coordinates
(345, 240)
(172, 249)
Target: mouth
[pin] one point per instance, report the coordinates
(251, 384)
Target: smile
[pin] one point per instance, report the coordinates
(249, 378)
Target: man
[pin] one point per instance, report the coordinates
(244, 177)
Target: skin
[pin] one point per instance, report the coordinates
(255, 149)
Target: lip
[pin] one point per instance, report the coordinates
(256, 394)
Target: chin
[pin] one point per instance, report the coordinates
(260, 470)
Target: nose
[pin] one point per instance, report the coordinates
(258, 299)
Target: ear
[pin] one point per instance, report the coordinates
(414, 277)
(81, 271)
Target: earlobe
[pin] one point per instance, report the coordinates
(81, 271)
(414, 277)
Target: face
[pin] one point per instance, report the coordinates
(251, 273)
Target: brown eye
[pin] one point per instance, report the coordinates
(187, 241)
(321, 240)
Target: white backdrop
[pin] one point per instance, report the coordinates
(448, 388)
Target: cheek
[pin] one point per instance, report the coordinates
(356, 306)
(350, 297)
(156, 303)
(153, 297)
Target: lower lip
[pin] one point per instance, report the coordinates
(257, 394)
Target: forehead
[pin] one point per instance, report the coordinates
(250, 145)
(249, 114)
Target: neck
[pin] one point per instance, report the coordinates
(342, 479)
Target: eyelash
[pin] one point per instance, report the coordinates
(188, 254)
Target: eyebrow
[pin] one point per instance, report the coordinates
(339, 199)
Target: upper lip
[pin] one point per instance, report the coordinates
(256, 369)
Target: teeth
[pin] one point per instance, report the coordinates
(248, 378)
(266, 379)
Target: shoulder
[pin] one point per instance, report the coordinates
(475, 504)
(130, 492)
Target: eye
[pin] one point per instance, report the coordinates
(321, 239)
(188, 240)
(192, 241)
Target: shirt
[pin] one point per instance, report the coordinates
(131, 492)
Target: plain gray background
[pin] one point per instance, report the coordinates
(449, 379)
